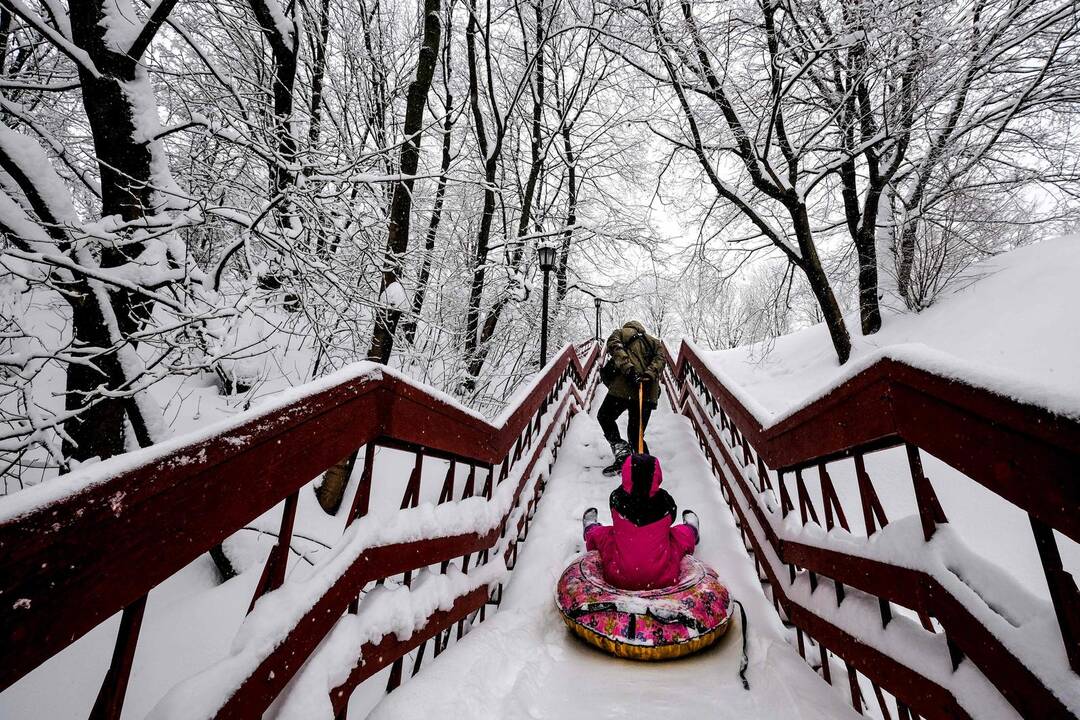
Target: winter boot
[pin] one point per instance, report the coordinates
(589, 519)
(621, 450)
(690, 518)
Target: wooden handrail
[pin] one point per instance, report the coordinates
(123, 526)
(1024, 453)
(261, 684)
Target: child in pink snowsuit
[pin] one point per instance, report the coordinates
(641, 550)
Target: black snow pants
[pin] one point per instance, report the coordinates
(609, 413)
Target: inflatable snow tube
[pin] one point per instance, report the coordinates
(658, 624)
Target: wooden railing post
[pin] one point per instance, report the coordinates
(110, 699)
(1063, 591)
(411, 498)
(871, 504)
(277, 562)
(362, 498)
(930, 512)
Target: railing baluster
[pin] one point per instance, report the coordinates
(1062, 587)
(831, 500)
(786, 505)
(930, 511)
(763, 475)
(882, 706)
(277, 561)
(419, 658)
(805, 505)
(362, 498)
(871, 504)
(470, 482)
(853, 683)
(956, 655)
(411, 498)
(110, 699)
(394, 680)
(885, 608)
(826, 668)
(447, 492)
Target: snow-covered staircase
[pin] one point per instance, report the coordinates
(522, 663)
(457, 528)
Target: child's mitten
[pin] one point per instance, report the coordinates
(690, 518)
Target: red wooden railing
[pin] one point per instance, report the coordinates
(96, 543)
(1027, 455)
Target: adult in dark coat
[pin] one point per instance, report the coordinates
(639, 359)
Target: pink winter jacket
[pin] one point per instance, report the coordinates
(641, 550)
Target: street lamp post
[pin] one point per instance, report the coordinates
(597, 301)
(547, 262)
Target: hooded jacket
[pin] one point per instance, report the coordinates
(641, 550)
(631, 347)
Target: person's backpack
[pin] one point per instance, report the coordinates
(609, 371)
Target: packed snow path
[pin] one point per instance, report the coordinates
(523, 663)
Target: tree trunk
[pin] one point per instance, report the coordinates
(561, 272)
(820, 286)
(397, 242)
(284, 51)
(440, 192)
(905, 260)
(318, 73)
(869, 309)
(483, 235)
(477, 354)
(336, 479)
(125, 170)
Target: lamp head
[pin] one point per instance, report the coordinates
(547, 256)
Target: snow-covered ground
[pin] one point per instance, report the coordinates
(524, 663)
(1013, 329)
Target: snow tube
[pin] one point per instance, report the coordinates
(658, 624)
